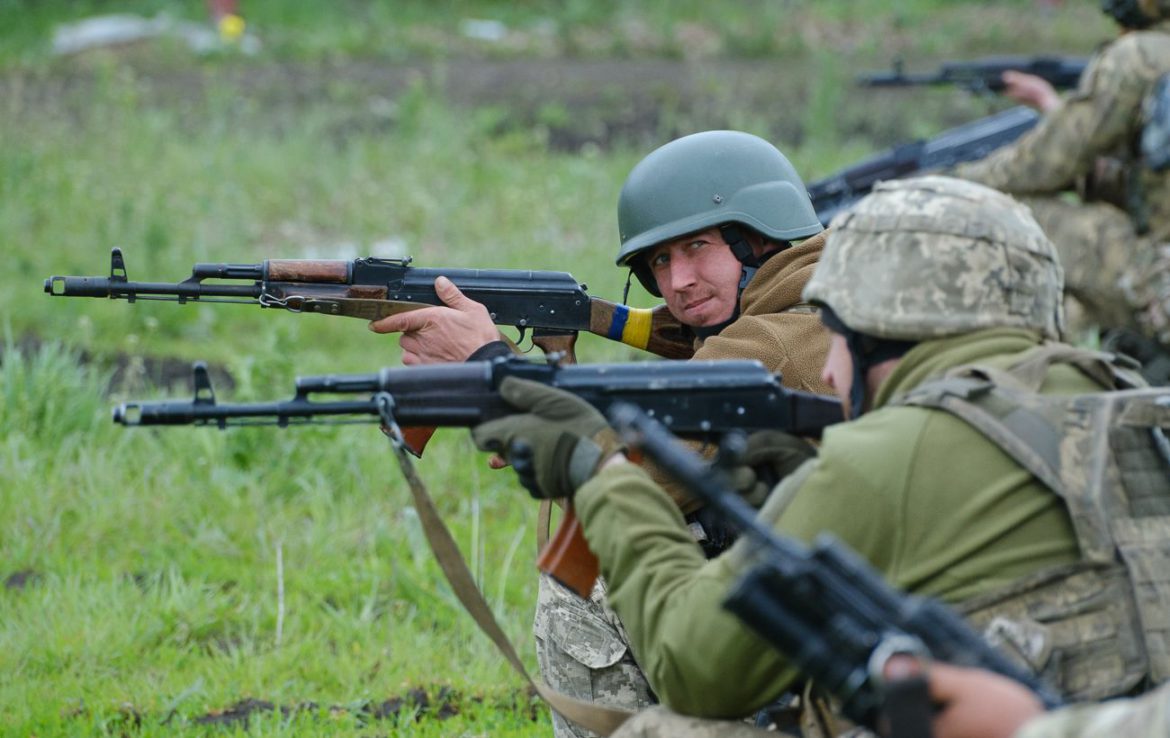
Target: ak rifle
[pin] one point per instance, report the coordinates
(553, 305)
(967, 142)
(823, 606)
(984, 75)
(698, 399)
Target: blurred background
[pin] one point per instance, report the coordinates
(269, 582)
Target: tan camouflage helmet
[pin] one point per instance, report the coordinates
(935, 256)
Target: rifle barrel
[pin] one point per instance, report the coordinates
(122, 289)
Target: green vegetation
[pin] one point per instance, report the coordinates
(139, 569)
(409, 29)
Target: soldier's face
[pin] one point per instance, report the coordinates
(838, 370)
(698, 277)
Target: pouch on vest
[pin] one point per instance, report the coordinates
(1156, 126)
(1100, 627)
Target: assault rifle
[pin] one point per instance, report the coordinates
(823, 607)
(986, 74)
(968, 142)
(698, 399)
(553, 304)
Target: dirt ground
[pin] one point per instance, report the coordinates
(579, 102)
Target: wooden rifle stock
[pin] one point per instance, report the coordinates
(567, 557)
(650, 329)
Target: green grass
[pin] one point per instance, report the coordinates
(155, 563)
(151, 556)
(412, 29)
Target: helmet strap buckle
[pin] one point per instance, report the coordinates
(734, 237)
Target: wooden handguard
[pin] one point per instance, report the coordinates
(335, 271)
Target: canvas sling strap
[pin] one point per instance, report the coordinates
(598, 718)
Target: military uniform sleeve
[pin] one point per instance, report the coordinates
(699, 658)
(1099, 116)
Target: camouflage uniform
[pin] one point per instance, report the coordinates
(660, 722)
(582, 648)
(969, 276)
(1114, 239)
(1144, 717)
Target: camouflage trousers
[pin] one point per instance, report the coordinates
(1118, 279)
(583, 651)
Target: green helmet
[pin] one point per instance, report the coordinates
(1136, 13)
(708, 179)
(934, 256)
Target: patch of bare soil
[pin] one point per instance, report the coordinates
(134, 373)
(417, 704)
(18, 580)
(579, 103)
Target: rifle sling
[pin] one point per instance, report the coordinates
(543, 524)
(600, 719)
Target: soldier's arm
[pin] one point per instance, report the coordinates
(1092, 122)
(670, 600)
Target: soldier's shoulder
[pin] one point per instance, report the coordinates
(1138, 47)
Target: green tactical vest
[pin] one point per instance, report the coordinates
(1100, 627)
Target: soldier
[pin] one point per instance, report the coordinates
(719, 225)
(924, 276)
(1114, 240)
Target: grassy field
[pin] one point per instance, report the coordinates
(142, 570)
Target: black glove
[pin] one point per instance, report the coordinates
(556, 445)
(769, 456)
(711, 528)
(765, 458)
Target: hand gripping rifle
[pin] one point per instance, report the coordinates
(697, 399)
(984, 75)
(967, 142)
(553, 304)
(823, 607)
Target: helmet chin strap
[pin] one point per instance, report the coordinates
(626, 291)
(867, 352)
(861, 364)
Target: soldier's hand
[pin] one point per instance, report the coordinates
(555, 445)
(768, 457)
(978, 704)
(441, 334)
(1028, 89)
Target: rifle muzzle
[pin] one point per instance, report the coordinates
(78, 286)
